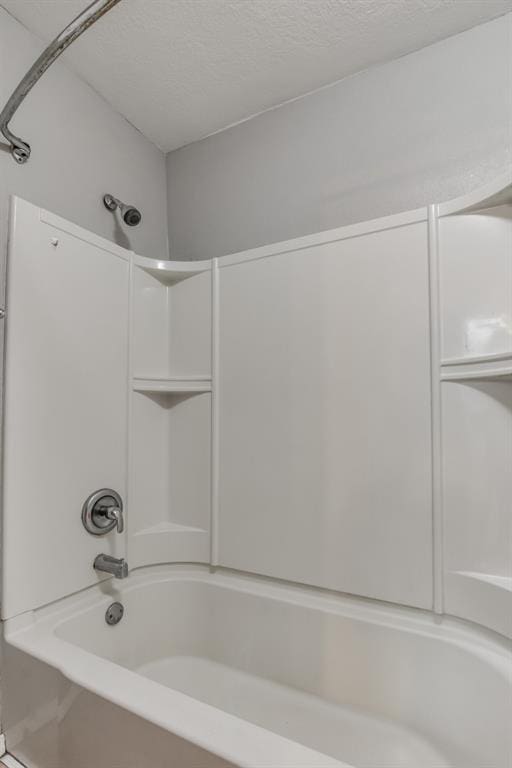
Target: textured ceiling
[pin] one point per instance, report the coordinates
(182, 69)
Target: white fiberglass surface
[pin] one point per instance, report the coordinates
(368, 685)
(342, 732)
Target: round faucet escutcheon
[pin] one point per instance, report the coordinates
(102, 512)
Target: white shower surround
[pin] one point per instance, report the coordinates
(442, 689)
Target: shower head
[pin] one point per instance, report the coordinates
(131, 215)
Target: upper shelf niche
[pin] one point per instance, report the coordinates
(171, 272)
(475, 268)
(171, 322)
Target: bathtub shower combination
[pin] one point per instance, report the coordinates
(257, 509)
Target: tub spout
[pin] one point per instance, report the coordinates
(118, 567)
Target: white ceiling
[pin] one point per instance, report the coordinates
(182, 69)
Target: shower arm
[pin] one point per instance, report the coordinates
(20, 150)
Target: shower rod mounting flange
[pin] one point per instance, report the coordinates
(20, 150)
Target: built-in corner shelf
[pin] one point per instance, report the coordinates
(499, 582)
(496, 367)
(167, 527)
(170, 272)
(481, 597)
(170, 542)
(171, 386)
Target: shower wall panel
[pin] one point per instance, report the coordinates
(324, 415)
(66, 403)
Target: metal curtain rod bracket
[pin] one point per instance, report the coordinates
(20, 150)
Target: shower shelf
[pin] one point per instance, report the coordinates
(496, 367)
(481, 597)
(167, 527)
(180, 543)
(500, 582)
(170, 386)
(169, 272)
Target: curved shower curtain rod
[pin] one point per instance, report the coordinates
(20, 150)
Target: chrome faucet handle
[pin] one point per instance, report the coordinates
(116, 514)
(103, 512)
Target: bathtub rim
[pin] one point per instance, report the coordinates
(236, 740)
(446, 627)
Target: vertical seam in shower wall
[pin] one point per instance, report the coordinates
(170, 371)
(215, 446)
(129, 406)
(435, 363)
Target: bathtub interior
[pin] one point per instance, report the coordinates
(358, 688)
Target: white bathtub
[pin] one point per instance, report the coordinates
(214, 669)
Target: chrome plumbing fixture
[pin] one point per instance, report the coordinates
(130, 215)
(20, 149)
(115, 566)
(102, 512)
(114, 613)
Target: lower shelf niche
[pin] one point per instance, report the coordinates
(477, 488)
(481, 597)
(170, 483)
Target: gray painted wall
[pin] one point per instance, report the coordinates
(424, 128)
(81, 148)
